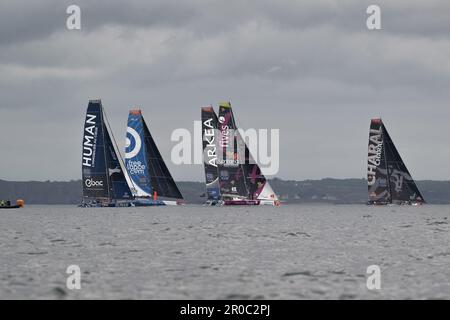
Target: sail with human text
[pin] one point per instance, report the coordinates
(103, 175)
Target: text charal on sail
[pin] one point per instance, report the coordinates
(388, 179)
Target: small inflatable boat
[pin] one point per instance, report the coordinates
(6, 204)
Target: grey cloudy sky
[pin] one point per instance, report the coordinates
(309, 68)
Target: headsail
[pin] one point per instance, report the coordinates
(144, 162)
(209, 135)
(389, 181)
(257, 184)
(259, 187)
(102, 171)
(402, 186)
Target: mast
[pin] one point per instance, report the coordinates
(129, 182)
(383, 129)
(108, 182)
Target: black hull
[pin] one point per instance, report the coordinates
(10, 207)
(105, 205)
(406, 203)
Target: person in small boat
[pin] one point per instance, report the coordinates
(5, 203)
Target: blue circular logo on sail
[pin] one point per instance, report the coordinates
(133, 143)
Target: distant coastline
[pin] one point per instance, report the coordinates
(336, 191)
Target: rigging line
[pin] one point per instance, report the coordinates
(82, 169)
(238, 136)
(383, 130)
(250, 154)
(154, 152)
(119, 155)
(102, 113)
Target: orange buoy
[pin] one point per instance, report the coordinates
(20, 203)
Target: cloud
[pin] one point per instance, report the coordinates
(310, 68)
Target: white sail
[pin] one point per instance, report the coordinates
(267, 193)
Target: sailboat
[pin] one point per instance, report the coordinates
(389, 181)
(151, 180)
(209, 138)
(240, 179)
(6, 204)
(103, 175)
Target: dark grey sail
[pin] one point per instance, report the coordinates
(389, 181)
(209, 140)
(401, 184)
(232, 179)
(102, 171)
(377, 178)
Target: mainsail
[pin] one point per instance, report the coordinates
(147, 170)
(209, 135)
(389, 181)
(102, 171)
(232, 179)
(240, 176)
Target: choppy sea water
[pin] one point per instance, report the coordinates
(195, 252)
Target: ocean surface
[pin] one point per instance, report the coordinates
(196, 252)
